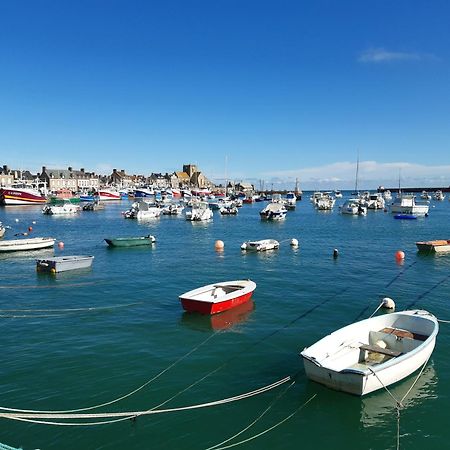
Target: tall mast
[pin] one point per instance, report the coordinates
(357, 171)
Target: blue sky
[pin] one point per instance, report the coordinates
(255, 90)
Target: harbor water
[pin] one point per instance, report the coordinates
(116, 335)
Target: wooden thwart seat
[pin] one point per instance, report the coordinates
(404, 334)
(378, 349)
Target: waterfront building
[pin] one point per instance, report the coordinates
(6, 177)
(75, 180)
(121, 179)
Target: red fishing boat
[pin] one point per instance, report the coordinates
(109, 194)
(218, 297)
(21, 194)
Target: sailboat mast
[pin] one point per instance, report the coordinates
(357, 172)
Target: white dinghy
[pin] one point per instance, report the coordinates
(260, 246)
(368, 355)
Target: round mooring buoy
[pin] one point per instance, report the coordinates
(219, 245)
(61, 245)
(388, 303)
(335, 253)
(399, 255)
(294, 243)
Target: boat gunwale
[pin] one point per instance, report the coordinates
(247, 286)
(425, 315)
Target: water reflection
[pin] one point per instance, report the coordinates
(221, 321)
(380, 406)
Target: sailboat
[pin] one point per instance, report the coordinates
(298, 192)
(356, 192)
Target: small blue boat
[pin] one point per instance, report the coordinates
(405, 216)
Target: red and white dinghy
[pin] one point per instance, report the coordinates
(218, 297)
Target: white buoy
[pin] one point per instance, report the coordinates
(294, 242)
(388, 303)
(34, 222)
(17, 220)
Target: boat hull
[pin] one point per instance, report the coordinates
(11, 197)
(215, 298)
(362, 384)
(434, 246)
(213, 308)
(63, 263)
(373, 353)
(108, 195)
(26, 244)
(131, 242)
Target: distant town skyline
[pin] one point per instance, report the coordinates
(249, 91)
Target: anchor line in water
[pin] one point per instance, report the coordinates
(364, 310)
(424, 294)
(270, 428)
(272, 403)
(91, 308)
(399, 403)
(129, 394)
(37, 418)
(302, 315)
(400, 274)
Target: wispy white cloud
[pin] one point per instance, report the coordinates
(381, 55)
(371, 174)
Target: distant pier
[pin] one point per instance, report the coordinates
(414, 189)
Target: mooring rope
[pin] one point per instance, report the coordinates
(48, 286)
(364, 310)
(37, 418)
(399, 403)
(400, 274)
(419, 297)
(281, 394)
(376, 310)
(2, 408)
(90, 308)
(270, 428)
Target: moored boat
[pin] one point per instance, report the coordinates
(261, 245)
(57, 209)
(131, 241)
(21, 194)
(63, 263)
(273, 211)
(405, 216)
(36, 243)
(373, 353)
(218, 297)
(142, 210)
(407, 204)
(436, 246)
(173, 209)
(109, 194)
(353, 207)
(199, 212)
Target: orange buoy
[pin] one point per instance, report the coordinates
(61, 245)
(30, 228)
(219, 245)
(399, 255)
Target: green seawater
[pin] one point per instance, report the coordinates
(84, 338)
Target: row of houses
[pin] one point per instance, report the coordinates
(82, 180)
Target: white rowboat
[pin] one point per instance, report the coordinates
(260, 246)
(373, 353)
(63, 263)
(26, 244)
